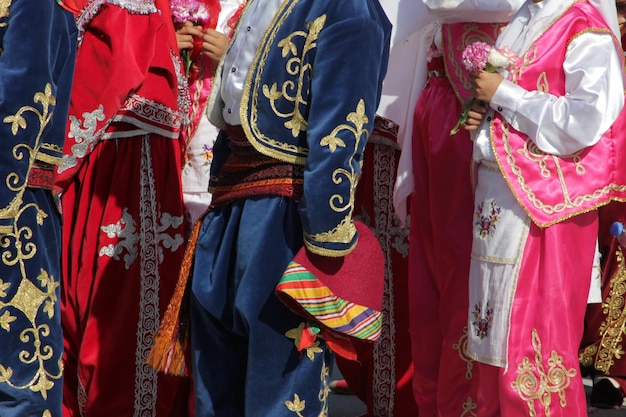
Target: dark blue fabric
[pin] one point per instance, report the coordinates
(243, 363)
(30, 297)
(38, 44)
(327, 82)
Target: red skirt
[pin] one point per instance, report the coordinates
(123, 239)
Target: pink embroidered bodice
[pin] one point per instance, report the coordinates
(554, 188)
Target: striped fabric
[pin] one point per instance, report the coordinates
(319, 303)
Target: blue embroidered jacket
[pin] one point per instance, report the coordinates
(38, 44)
(310, 99)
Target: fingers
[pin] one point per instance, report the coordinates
(484, 84)
(185, 35)
(476, 115)
(214, 44)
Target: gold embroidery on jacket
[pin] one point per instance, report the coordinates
(29, 299)
(533, 383)
(542, 83)
(295, 66)
(603, 353)
(13, 181)
(298, 406)
(528, 58)
(4, 11)
(568, 202)
(291, 91)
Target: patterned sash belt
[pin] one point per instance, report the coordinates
(41, 175)
(249, 173)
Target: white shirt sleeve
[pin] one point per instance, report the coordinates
(594, 98)
(481, 11)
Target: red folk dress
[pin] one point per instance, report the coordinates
(123, 231)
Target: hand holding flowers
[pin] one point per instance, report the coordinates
(478, 57)
(189, 17)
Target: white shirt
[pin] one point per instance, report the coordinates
(489, 11)
(254, 22)
(407, 67)
(594, 88)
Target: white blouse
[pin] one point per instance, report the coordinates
(594, 89)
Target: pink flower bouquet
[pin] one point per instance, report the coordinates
(482, 56)
(190, 11)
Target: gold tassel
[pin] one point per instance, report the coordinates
(171, 340)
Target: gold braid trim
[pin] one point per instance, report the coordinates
(535, 384)
(602, 354)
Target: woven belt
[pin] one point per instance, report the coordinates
(41, 175)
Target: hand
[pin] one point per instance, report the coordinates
(214, 44)
(185, 35)
(484, 85)
(476, 115)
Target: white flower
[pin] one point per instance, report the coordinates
(497, 59)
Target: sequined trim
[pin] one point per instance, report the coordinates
(93, 8)
(83, 132)
(148, 115)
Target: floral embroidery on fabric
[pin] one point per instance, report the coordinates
(486, 221)
(205, 156)
(482, 320)
(125, 229)
(534, 383)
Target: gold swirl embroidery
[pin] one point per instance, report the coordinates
(602, 355)
(529, 57)
(468, 408)
(533, 153)
(4, 11)
(29, 299)
(471, 33)
(17, 249)
(332, 141)
(461, 348)
(17, 121)
(542, 83)
(295, 66)
(533, 383)
(568, 202)
(296, 335)
(297, 405)
(587, 356)
(345, 231)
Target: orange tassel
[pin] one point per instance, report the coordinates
(172, 339)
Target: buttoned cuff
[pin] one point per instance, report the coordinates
(506, 100)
